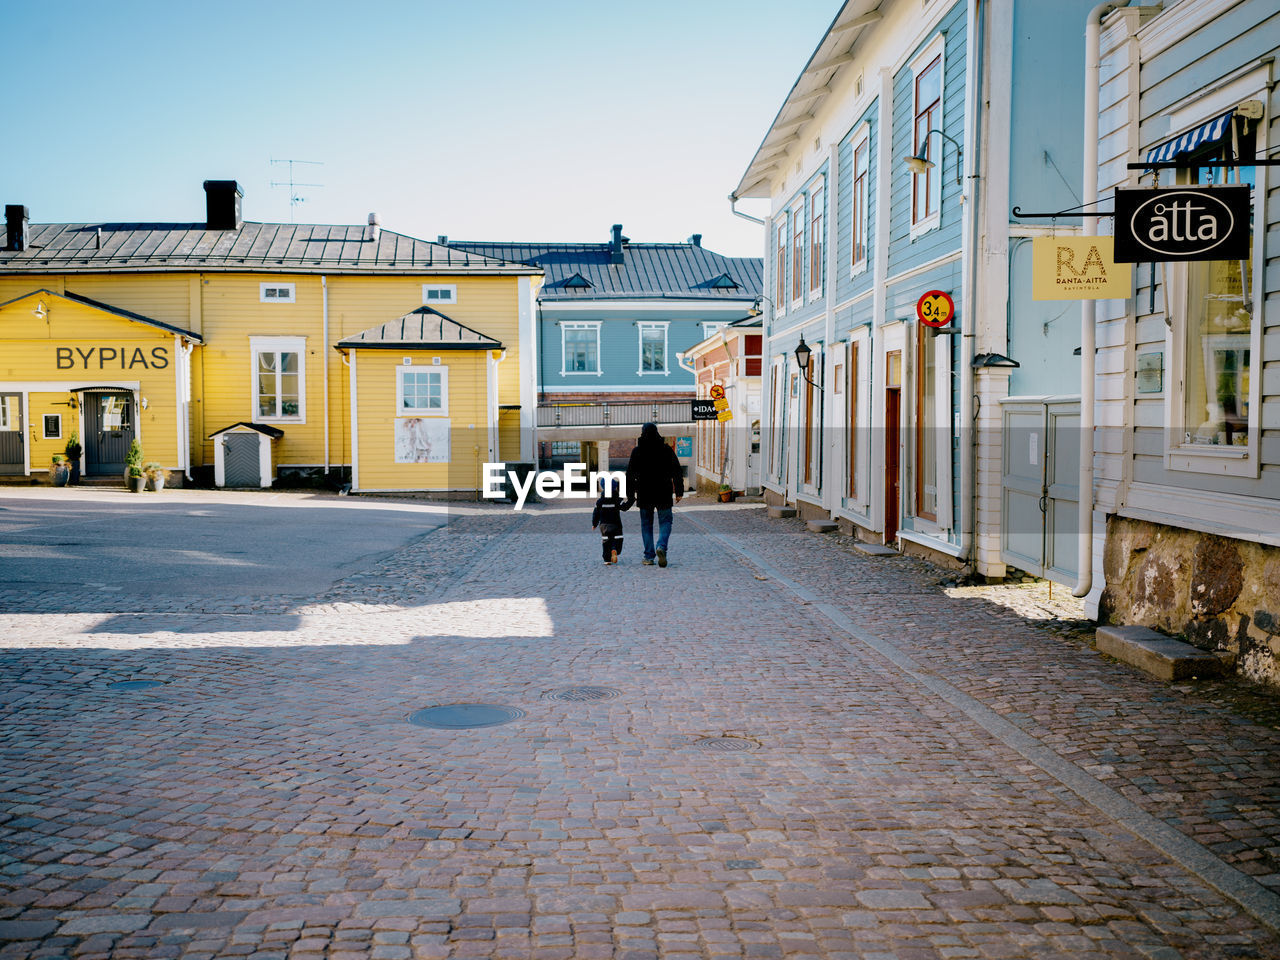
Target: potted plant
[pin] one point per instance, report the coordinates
(133, 467)
(155, 475)
(59, 470)
(726, 493)
(73, 452)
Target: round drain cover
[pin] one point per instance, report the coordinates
(582, 694)
(134, 684)
(725, 744)
(461, 716)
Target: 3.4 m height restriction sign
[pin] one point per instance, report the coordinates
(935, 308)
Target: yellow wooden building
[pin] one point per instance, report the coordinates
(174, 333)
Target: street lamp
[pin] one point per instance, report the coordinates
(920, 163)
(755, 311)
(803, 355)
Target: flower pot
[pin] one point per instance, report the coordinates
(75, 472)
(137, 484)
(156, 483)
(726, 496)
(61, 473)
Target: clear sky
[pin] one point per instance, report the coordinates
(496, 120)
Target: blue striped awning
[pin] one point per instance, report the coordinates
(1192, 140)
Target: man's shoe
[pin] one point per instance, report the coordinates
(662, 558)
(614, 557)
(647, 563)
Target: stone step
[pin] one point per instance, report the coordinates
(822, 526)
(876, 550)
(781, 513)
(1161, 656)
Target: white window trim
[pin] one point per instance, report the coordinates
(641, 327)
(443, 372)
(861, 500)
(780, 308)
(581, 325)
(451, 287)
(296, 345)
(937, 48)
(861, 136)
(819, 183)
(1219, 461)
(711, 327)
(798, 211)
(44, 427)
(277, 285)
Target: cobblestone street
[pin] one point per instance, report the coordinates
(784, 749)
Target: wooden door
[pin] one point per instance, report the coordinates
(108, 432)
(13, 448)
(892, 446)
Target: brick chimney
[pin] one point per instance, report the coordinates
(15, 222)
(222, 205)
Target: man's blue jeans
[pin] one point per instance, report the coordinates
(646, 529)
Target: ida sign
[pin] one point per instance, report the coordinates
(1182, 223)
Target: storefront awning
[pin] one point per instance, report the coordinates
(1209, 132)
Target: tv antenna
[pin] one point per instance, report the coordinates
(294, 197)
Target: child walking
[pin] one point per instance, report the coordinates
(607, 516)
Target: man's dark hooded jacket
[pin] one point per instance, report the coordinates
(654, 477)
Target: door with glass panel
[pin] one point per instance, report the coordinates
(109, 431)
(13, 451)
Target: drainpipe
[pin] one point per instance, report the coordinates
(1092, 56)
(187, 348)
(324, 298)
(738, 213)
(969, 275)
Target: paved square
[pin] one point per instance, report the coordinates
(810, 753)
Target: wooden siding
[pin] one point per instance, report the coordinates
(376, 409)
(29, 353)
(1132, 438)
(847, 285)
(904, 253)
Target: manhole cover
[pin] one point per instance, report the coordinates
(135, 684)
(725, 744)
(461, 716)
(582, 694)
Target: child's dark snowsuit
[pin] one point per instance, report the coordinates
(608, 517)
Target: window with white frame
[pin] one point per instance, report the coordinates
(422, 391)
(858, 197)
(53, 426)
(581, 347)
(780, 287)
(653, 347)
(1218, 336)
(710, 327)
(926, 188)
(275, 292)
(8, 412)
(815, 241)
(797, 253)
(434, 294)
(279, 378)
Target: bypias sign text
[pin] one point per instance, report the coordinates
(1183, 223)
(111, 358)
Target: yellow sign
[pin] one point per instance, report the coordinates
(723, 415)
(723, 412)
(1078, 268)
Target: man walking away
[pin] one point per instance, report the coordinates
(655, 481)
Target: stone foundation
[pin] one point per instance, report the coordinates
(810, 511)
(1219, 594)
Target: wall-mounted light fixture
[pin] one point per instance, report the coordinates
(921, 163)
(755, 311)
(804, 355)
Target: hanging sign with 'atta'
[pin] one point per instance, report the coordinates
(1182, 223)
(1077, 268)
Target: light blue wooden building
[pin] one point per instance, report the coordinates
(944, 442)
(1185, 519)
(613, 318)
